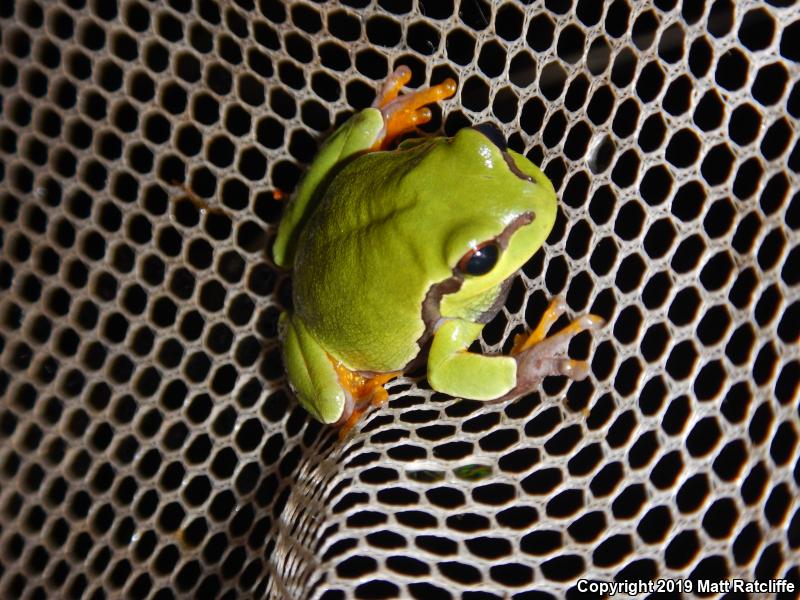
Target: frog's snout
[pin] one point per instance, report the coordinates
(491, 131)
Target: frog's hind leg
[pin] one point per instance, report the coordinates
(327, 389)
(311, 373)
(402, 113)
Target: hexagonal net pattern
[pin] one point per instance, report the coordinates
(150, 445)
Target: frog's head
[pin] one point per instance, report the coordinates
(500, 216)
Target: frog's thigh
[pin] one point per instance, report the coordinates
(454, 371)
(311, 372)
(357, 135)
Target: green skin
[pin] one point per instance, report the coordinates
(374, 240)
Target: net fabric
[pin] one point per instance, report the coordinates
(150, 445)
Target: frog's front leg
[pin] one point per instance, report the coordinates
(328, 390)
(457, 372)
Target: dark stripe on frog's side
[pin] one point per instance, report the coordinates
(431, 315)
(431, 312)
(515, 169)
(494, 135)
(525, 218)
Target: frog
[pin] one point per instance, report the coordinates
(399, 256)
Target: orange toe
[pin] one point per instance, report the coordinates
(365, 391)
(391, 88)
(404, 113)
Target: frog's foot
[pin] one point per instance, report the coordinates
(404, 113)
(362, 392)
(538, 356)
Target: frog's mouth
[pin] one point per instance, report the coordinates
(491, 132)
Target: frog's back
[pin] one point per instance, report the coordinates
(390, 225)
(364, 266)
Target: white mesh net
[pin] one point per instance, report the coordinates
(150, 446)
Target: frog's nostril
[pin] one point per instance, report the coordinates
(491, 131)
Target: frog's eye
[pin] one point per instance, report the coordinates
(480, 260)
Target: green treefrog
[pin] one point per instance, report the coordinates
(399, 258)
